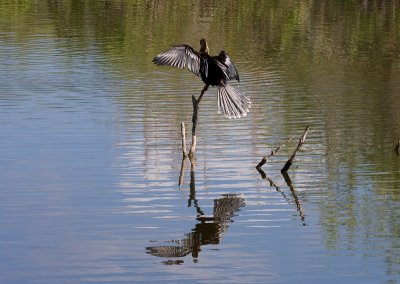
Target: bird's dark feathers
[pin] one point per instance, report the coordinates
(231, 69)
(185, 57)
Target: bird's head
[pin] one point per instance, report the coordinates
(203, 46)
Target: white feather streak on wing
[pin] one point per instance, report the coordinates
(231, 69)
(180, 56)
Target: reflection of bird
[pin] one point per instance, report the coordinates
(214, 71)
(208, 231)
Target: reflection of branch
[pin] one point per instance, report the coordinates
(301, 142)
(271, 183)
(296, 198)
(192, 195)
(262, 173)
(289, 184)
(264, 176)
(397, 149)
(265, 158)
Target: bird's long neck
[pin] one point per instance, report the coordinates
(203, 47)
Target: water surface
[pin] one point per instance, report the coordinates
(93, 184)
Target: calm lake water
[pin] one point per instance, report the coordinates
(93, 188)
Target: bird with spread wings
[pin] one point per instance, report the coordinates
(214, 71)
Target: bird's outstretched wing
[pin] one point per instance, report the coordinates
(181, 56)
(229, 68)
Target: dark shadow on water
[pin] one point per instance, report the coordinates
(209, 229)
(288, 181)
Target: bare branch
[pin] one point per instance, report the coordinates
(301, 142)
(265, 158)
(183, 132)
(194, 121)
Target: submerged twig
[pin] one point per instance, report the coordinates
(397, 148)
(301, 142)
(265, 158)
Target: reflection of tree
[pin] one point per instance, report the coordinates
(208, 230)
(292, 190)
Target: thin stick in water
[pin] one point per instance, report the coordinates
(194, 126)
(301, 142)
(265, 158)
(194, 121)
(183, 132)
(182, 172)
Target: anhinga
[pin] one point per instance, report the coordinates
(214, 71)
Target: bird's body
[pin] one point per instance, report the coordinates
(214, 71)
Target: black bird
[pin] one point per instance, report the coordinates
(214, 71)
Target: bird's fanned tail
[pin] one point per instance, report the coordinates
(232, 103)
